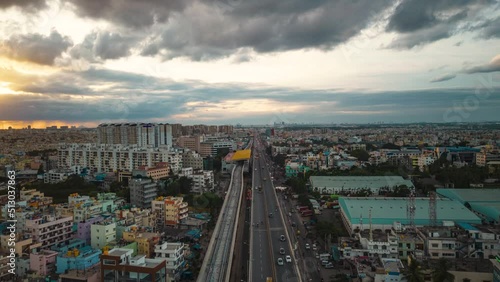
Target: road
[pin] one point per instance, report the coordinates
(218, 258)
(308, 264)
(265, 238)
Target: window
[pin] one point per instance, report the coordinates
(434, 245)
(109, 262)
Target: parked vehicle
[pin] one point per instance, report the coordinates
(307, 213)
(282, 238)
(282, 251)
(280, 261)
(328, 265)
(288, 259)
(326, 256)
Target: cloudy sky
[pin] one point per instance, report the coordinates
(84, 62)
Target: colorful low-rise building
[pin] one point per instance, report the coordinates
(49, 230)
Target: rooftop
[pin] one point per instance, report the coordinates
(389, 210)
(352, 182)
(471, 195)
(484, 201)
(118, 252)
(392, 265)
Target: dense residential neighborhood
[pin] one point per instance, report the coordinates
(371, 200)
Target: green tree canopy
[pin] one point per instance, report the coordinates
(360, 154)
(413, 273)
(440, 272)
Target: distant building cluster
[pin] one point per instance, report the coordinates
(140, 134)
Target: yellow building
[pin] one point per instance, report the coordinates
(146, 241)
(170, 210)
(21, 244)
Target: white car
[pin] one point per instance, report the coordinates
(288, 259)
(314, 247)
(280, 261)
(308, 247)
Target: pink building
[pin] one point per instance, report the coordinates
(44, 262)
(49, 230)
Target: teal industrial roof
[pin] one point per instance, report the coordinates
(490, 210)
(471, 195)
(483, 201)
(388, 210)
(355, 182)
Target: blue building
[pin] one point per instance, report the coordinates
(76, 255)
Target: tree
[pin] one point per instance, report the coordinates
(413, 273)
(339, 278)
(279, 159)
(173, 189)
(324, 228)
(185, 184)
(115, 186)
(391, 146)
(370, 147)
(40, 169)
(360, 154)
(303, 200)
(440, 272)
(298, 185)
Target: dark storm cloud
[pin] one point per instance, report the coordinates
(444, 77)
(26, 5)
(213, 29)
(36, 48)
(103, 45)
(492, 66)
(420, 22)
(491, 28)
(129, 13)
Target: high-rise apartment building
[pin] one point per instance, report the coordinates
(192, 159)
(190, 142)
(169, 211)
(142, 192)
(141, 134)
(112, 158)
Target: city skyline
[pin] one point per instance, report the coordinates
(84, 63)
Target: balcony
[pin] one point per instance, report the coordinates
(183, 205)
(182, 216)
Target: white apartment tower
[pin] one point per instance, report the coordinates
(141, 134)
